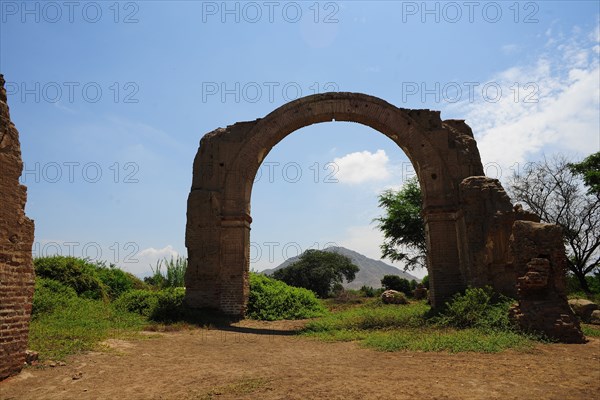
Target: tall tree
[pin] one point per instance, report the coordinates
(589, 169)
(318, 271)
(402, 225)
(550, 189)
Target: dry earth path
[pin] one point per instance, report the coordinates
(260, 360)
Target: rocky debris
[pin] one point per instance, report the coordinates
(583, 308)
(77, 375)
(393, 297)
(420, 292)
(538, 255)
(31, 357)
(595, 317)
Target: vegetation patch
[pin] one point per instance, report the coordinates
(591, 330)
(271, 300)
(474, 321)
(78, 324)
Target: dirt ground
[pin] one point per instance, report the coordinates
(260, 360)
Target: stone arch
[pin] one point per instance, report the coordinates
(443, 154)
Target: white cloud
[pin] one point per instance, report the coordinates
(363, 166)
(147, 259)
(552, 103)
(509, 49)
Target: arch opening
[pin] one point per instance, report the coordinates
(318, 188)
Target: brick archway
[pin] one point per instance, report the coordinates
(443, 154)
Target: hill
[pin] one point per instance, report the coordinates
(370, 274)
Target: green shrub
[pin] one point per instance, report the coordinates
(162, 306)
(50, 295)
(425, 281)
(169, 305)
(476, 308)
(77, 273)
(368, 291)
(271, 300)
(117, 281)
(173, 275)
(141, 301)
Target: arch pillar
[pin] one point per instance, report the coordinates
(444, 261)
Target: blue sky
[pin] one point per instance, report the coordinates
(111, 99)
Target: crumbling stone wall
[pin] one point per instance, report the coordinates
(16, 239)
(537, 253)
(489, 218)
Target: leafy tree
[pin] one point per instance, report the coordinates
(402, 225)
(425, 281)
(394, 282)
(589, 169)
(318, 271)
(550, 189)
(413, 284)
(368, 291)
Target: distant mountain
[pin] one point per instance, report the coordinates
(371, 271)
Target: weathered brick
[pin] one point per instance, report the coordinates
(16, 238)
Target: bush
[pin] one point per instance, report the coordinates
(50, 295)
(169, 305)
(368, 291)
(117, 281)
(395, 282)
(476, 308)
(77, 273)
(425, 281)
(173, 275)
(141, 301)
(162, 306)
(271, 300)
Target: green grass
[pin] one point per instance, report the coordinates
(79, 326)
(590, 330)
(372, 315)
(409, 327)
(451, 340)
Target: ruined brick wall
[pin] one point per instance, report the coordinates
(537, 252)
(489, 216)
(16, 239)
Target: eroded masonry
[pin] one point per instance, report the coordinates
(475, 235)
(16, 239)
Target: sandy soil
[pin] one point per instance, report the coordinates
(259, 360)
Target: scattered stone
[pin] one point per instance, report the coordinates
(51, 364)
(78, 375)
(595, 317)
(583, 308)
(393, 297)
(31, 357)
(62, 363)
